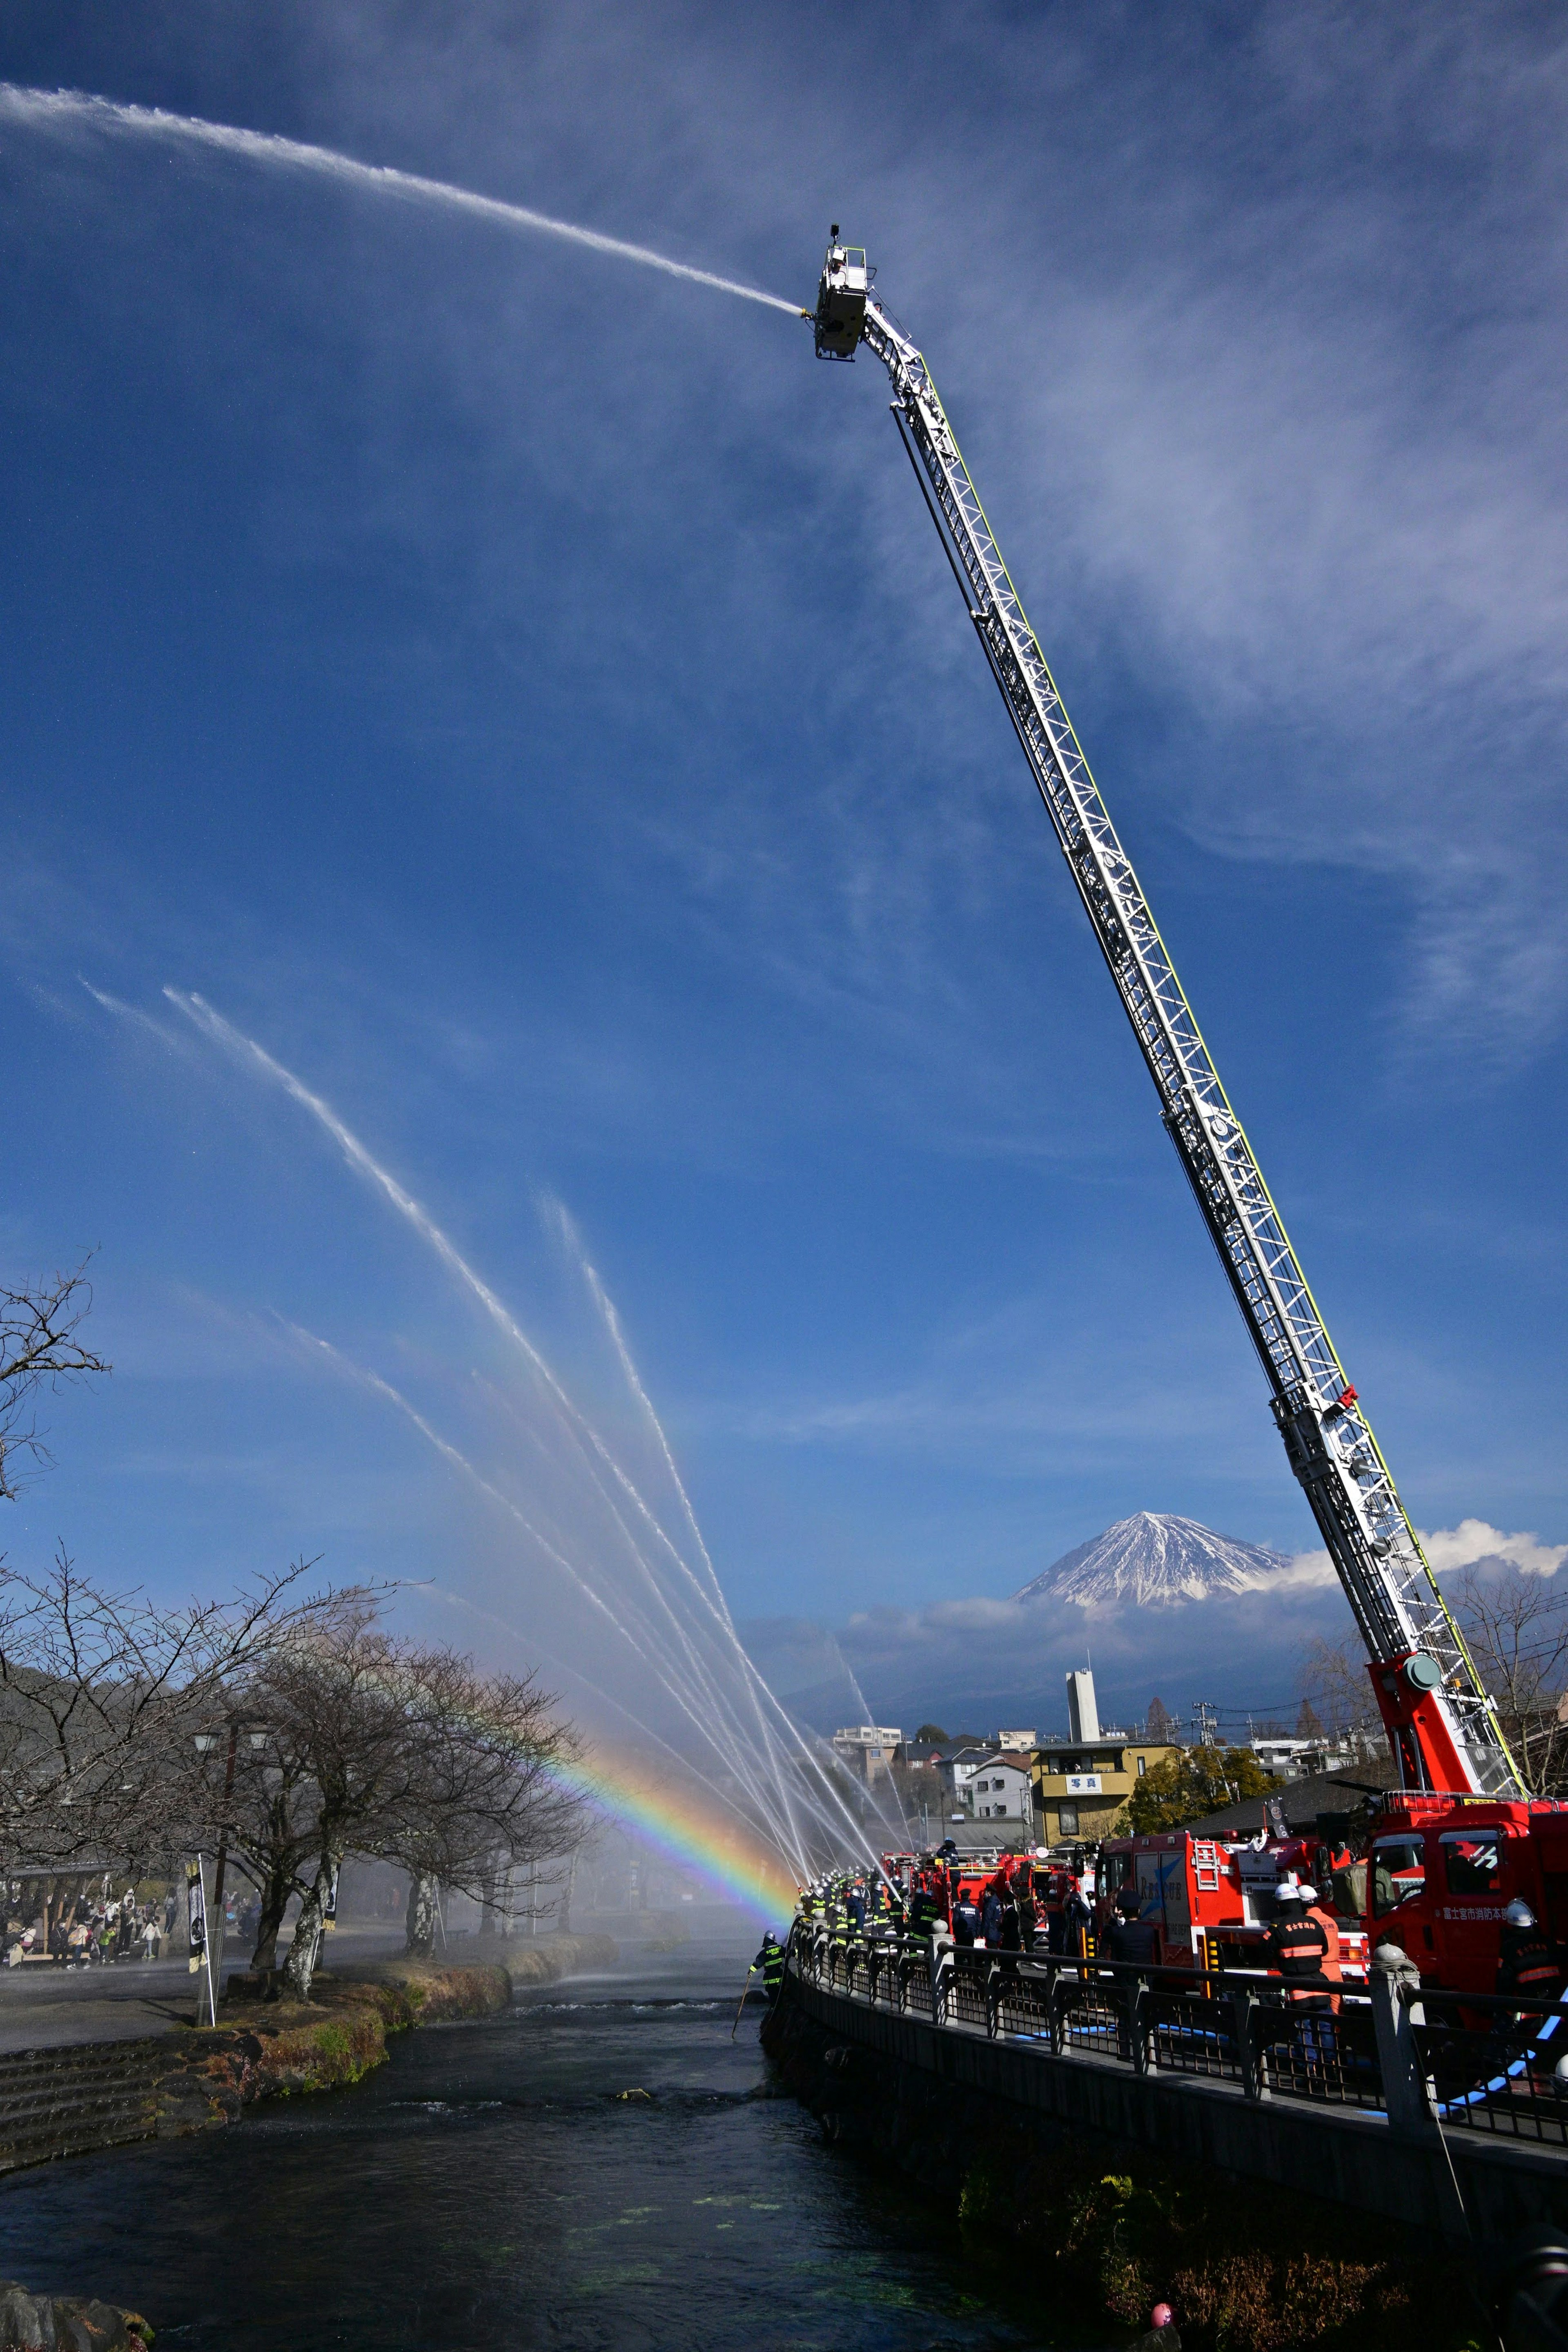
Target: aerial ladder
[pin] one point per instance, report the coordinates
(1442, 1722)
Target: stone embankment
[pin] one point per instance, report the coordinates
(70, 2101)
(63, 2323)
(1116, 2228)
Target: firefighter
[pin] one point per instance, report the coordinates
(1077, 1918)
(1321, 1910)
(770, 1960)
(1297, 1947)
(1526, 1965)
(922, 1911)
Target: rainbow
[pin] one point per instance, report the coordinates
(722, 1852)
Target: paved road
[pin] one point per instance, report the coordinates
(120, 2000)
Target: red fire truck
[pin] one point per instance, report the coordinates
(1441, 1871)
(1209, 1900)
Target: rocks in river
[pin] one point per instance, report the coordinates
(61, 2323)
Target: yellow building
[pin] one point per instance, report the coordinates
(1081, 1786)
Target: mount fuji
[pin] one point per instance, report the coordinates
(1158, 1561)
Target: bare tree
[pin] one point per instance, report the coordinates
(1338, 1688)
(492, 1795)
(38, 1349)
(1517, 1628)
(102, 1695)
(356, 1742)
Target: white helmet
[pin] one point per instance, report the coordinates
(1519, 1915)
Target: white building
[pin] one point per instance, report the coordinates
(1297, 1758)
(867, 1747)
(981, 1784)
(1015, 1743)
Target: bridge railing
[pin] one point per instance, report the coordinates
(1470, 2062)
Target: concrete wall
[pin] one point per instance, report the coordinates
(1340, 2154)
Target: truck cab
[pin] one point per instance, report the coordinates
(1442, 1870)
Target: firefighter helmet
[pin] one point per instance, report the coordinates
(1519, 1915)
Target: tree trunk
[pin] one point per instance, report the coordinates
(420, 1919)
(299, 1968)
(274, 1904)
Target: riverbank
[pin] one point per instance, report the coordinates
(267, 2049)
(492, 2186)
(72, 2099)
(81, 2098)
(1246, 2267)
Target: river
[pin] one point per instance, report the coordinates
(494, 2189)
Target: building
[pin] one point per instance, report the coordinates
(867, 1749)
(1013, 1743)
(983, 1785)
(1079, 1786)
(1301, 1755)
(1082, 1712)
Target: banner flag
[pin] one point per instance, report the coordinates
(196, 1907)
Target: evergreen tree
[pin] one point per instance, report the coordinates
(1186, 1788)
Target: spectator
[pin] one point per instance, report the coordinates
(1130, 1939)
(1009, 1934)
(149, 1939)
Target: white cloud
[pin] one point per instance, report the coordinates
(1473, 1540)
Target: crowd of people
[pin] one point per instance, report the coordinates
(88, 1927)
(1022, 1904)
(1018, 1905)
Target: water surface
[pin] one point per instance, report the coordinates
(601, 2167)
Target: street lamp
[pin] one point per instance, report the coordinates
(205, 1742)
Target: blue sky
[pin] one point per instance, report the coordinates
(525, 695)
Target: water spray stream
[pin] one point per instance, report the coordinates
(68, 111)
(643, 1647)
(779, 1781)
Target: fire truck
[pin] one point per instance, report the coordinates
(1441, 1721)
(1210, 1900)
(1441, 1871)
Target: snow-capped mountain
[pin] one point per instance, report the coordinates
(1155, 1560)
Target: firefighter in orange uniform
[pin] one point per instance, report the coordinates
(1298, 1949)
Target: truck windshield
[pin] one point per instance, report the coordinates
(1398, 1871)
(1472, 1864)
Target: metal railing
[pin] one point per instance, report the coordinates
(1491, 2067)
(1468, 2061)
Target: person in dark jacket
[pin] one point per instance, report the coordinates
(991, 1916)
(1130, 1941)
(922, 1912)
(1077, 1918)
(965, 1918)
(1527, 1967)
(1009, 1931)
(1129, 1938)
(770, 1960)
